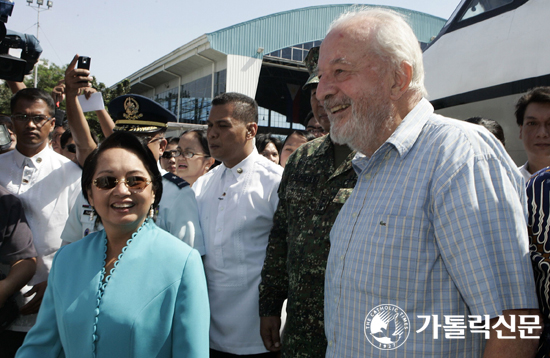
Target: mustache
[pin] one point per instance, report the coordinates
(333, 102)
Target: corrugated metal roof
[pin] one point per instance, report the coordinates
(288, 28)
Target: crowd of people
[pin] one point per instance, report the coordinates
(146, 246)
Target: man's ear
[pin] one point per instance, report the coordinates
(162, 145)
(251, 130)
(209, 162)
(402, 80)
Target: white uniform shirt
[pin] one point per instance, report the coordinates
(178, 214)
(47, 185)
(523, 170)
(236, 208)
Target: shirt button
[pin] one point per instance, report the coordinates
(39, 160)
(219, 230)
(342, 257)
(335, 300)
(330, 343)
(354, 215)
(239, 170)
(367, 176)
(221, 208)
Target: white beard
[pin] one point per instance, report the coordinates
(361, 132)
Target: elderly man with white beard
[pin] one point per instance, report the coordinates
(435, 227)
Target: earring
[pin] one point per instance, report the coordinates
(151, 212)
(92, 214)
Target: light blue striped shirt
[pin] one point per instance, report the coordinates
(436, 226)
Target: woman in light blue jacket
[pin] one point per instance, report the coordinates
(131, 290)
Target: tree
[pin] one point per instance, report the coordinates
(49, 76)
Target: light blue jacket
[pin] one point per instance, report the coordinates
(155, 304)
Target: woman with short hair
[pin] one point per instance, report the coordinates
(132, 289)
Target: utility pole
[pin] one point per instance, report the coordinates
(38, 9)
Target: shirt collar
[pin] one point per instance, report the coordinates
(409, 129)
(359, 162)
(34, 161)
(246, 165)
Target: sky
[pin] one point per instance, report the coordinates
(123, 36)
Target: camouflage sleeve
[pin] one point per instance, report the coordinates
(274, 285)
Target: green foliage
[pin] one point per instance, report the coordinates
(5, 96)
(122, 88)
(49, 75)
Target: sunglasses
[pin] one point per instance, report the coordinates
(71, 148)
(171, 154)
(135, 183)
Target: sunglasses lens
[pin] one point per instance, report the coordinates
(105, 182)
(136, 183)
(133, 182)
(171, 154)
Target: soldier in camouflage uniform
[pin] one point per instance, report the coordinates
(317, 180)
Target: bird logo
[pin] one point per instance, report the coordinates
(387, 327)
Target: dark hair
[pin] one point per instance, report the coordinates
(262, 140)
(245, 108)
(131, 143)
(201, 136)
(172, 140)
(33, 94)
(536, 95)
(491, 125)
(65, 138)
(308, 136)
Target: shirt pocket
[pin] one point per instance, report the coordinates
(388, 252)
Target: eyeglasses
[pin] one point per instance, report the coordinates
(177, 152)
(38, 119)
(71, 148)
(135, 183)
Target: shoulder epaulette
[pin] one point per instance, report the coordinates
(176, 180)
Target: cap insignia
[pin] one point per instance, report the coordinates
(131, 106)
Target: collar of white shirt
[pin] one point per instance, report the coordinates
(245, 166)
(35, 161)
